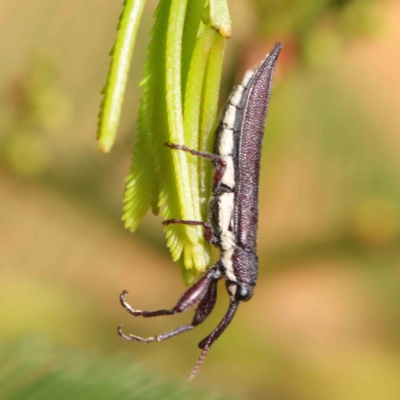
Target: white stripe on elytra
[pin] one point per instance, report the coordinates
(229, 117)
(228, 179)
(225, 149)
(236, 95)
(225, 210)
(247, 76)
(226, 204)
(226, 259)
(225, 146)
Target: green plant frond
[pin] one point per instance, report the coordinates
(180, 81)
(192, 107)
(192, 116)
(143, 179)
(208, 116)
(175, 112)
(194, 88)
(220, 18)
(110, 108)
(186, 184)
(191, 32)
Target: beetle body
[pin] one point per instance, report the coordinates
(233, 209)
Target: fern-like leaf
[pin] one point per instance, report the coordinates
(121, 53)
(176, 86)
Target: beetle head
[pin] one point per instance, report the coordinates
(239, 291)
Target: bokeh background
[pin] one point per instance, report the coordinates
(325, 319)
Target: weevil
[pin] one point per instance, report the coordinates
(233, 208)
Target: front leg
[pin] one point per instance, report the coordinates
(203, 311)
(203, 292)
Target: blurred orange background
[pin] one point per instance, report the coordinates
(325, 319)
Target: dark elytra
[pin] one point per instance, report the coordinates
(233, 208)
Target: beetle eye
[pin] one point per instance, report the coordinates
(241, 293)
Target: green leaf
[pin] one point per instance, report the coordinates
(191, 30)
(179, 105)
(220, 18)
(110, 108)
(194, 253)
(143, 188)
(208, 118)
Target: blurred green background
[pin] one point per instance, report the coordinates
(325, 319)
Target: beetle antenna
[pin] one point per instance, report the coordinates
(198, 363)
(207, 342)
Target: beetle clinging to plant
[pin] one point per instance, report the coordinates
(233, 209)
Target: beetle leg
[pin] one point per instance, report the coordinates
(203, 292)
(207, 304)
(157, 338)
(209, 156)
(203, 311)
(190, 298)
(206, 343)
(221, 163)
(208, 229)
